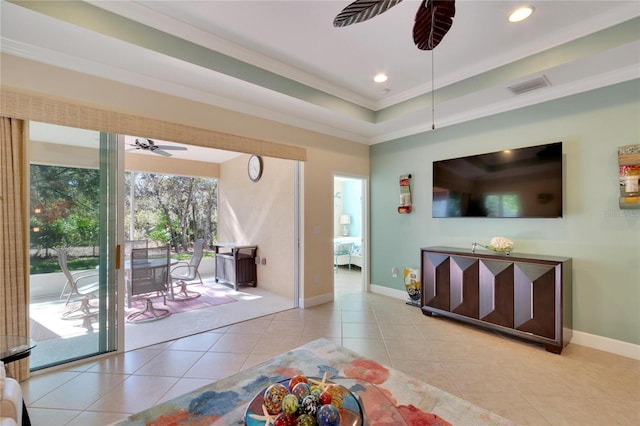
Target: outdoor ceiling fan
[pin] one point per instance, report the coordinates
(433, 19)
(149, 145)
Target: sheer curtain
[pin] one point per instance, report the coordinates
(14, 300)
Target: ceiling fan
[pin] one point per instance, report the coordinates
(149, 145)
(433, 19)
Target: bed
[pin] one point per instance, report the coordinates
(356, 254)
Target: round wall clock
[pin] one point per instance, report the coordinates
(255, 168)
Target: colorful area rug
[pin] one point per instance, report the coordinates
(388, 396)
(210, 295)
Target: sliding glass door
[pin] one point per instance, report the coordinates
(73, 227)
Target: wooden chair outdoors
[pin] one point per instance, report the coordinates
(148, 277)
(82, 286)
(184, 273)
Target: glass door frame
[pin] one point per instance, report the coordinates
(109, 158)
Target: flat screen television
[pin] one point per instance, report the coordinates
(523, 182)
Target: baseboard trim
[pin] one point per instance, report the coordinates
(316, 300)
(593, 341)
(606, 344)
(389, 292)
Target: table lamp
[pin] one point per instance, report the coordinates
(345, 220)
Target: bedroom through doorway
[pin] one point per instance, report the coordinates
(348, 234)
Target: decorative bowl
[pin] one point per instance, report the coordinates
(500, 250)
(351, 412)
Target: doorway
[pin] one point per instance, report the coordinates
(349, 248)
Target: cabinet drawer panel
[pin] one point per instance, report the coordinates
(464, 286)
(535, 299)
(496, 292)
(436, 281)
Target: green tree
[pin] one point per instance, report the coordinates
(175, 209)
(64, 204)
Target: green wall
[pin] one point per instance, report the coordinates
(603, 240)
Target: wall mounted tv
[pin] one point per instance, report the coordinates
(523, 182)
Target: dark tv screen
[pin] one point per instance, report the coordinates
(523, 182)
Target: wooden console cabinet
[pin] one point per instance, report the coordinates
(236, 264)
(523, 295)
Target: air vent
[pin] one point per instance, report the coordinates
(529, 85)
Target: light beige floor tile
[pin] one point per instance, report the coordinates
(136, 393)
(572, 410)
(479, 377)
(183, 386)
(317, 329)
(274, 345)
(160, 346)
(361, 330)
(386, 314)
(516, 379)
(428, 372)
(235, 343)
(40, 385)
(359, 316)
(370, 348)
(254, 326)
(96, 418)
(255, 359)
(358, 303)
(319, 315)
(538, 383)
(170, 363)
(214, 365)
(51, 417)
(510, 405)
(409, 349)
(125, 363)
(198, 342)
(290, 315)
(306, 339)
(289, 328)
(80, 392)
(406, 332)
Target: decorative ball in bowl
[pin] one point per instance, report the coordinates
(303, 400)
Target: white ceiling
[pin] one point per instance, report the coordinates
(284, 60)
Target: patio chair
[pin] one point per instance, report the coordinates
(134, 244)
(128, 246)
(148, 277)
(186, 272)
(82, 285)
(343, 249)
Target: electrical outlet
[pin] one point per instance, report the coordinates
(394, 272)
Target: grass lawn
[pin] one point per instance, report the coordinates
(40, 265)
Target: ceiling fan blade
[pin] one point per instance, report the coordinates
(161, 152)
(168, 147)
(362, 10)
(433, 21)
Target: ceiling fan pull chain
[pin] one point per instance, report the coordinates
(433, 101)
(433, 87)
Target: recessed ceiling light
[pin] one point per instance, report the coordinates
(380, 78)
(521, 13)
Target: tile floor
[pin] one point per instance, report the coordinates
(515, 379)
